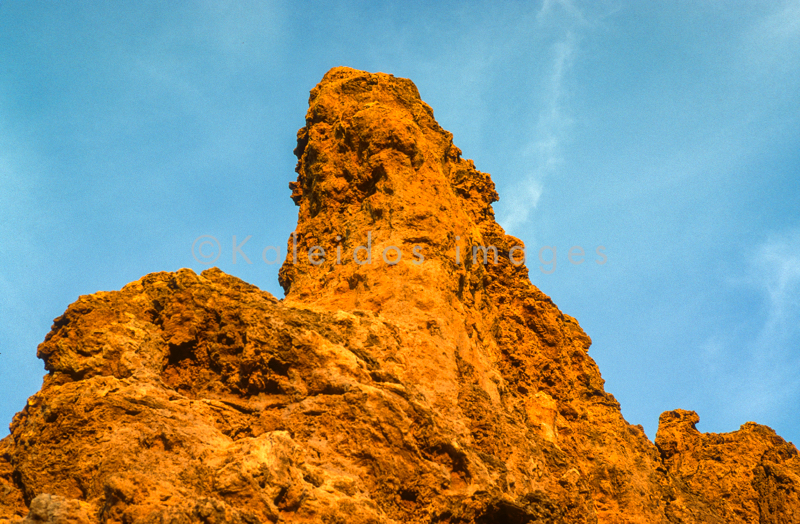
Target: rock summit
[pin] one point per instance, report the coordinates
(412, 373)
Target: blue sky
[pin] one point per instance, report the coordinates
(667, 132)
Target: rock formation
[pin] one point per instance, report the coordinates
(412, 374)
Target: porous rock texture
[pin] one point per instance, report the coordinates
(410, 380)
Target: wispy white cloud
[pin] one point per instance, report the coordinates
(759, 368)
(544, 152)
(776, 271)
(771, 49)
(783, 24)
(551, 8)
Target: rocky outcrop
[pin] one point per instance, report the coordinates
(750, 475)
(412, 373)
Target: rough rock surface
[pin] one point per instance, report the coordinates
(409, 381)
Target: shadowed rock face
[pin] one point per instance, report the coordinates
(428, 386)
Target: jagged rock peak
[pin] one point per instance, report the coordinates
(375, 169)
(451, 391)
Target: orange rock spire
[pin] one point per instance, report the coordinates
(376, 168)
(425, 387)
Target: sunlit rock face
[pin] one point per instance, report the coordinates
(412, 374)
